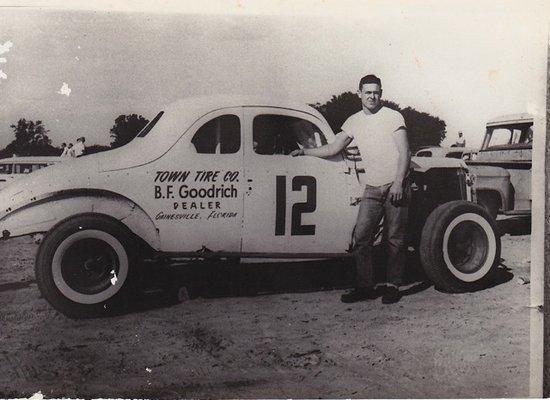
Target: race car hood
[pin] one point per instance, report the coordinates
(422, 164)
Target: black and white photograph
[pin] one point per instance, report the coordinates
(272, 199)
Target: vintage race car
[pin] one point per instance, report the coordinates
(212, 177)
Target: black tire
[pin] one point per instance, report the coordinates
(83, 265)
(489, 201)
(460, 247)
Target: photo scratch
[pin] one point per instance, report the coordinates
(4, 48)
(65, 89)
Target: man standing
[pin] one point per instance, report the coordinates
(461, 141)
(79, 147)
(70, 150)
(381, 136)
(64, 150)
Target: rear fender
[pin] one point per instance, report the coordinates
(43, 213)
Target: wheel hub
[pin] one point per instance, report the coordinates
(88, 266)
(468, 245)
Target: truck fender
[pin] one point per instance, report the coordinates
(493, 180)
(45, 212)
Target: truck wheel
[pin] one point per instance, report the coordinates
(460, 247)
(82, 266)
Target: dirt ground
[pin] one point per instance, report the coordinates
(294, 338)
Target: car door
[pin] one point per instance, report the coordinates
(199, 186)
(299, 206)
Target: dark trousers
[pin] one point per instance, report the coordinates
(374, 205)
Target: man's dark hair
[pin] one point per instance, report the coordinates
(369, 79)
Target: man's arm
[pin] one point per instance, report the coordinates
(328, 150)
(403, 165)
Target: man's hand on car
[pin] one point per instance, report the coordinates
(297, 152)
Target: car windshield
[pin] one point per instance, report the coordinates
(510, 134)
(150, 125)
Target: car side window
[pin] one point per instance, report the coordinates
(280, 134)
(424, 154)
(38, 166)
(6, 168)
(221, 135)
(500, 136)
(23, 168)
(454, 154)
(526, 135)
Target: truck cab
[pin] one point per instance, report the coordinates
(507, 145)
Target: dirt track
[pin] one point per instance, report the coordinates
(294, 340)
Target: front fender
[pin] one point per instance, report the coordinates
(495, 180)
(43, 213)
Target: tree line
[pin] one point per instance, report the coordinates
(423, 129)
(31, 137)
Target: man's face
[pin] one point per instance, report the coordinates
(371, 95)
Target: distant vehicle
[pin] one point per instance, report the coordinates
(508, 144)
(463, 153)
(16, 167)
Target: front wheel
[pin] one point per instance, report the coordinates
(460, 247)
(83, 265)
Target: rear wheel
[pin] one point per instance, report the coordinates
(460, 247)
(83, 265)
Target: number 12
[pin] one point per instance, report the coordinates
(296, 227)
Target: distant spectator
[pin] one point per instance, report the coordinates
(70, 150)
(79, 147)
(460, 142)
(64, 150)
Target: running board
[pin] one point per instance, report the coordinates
(517, 212)
(225, 254)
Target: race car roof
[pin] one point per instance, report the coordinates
(200, 105)
(179, 116)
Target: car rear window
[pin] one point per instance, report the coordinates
(281, 134)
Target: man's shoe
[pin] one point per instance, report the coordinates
(359, 294)
(391, 295)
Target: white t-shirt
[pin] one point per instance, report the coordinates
(78, 149)
(374, 136)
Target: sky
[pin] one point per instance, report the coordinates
(78, 69)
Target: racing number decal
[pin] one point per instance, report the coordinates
(280, 205)
(296, 227)
(307, 207)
